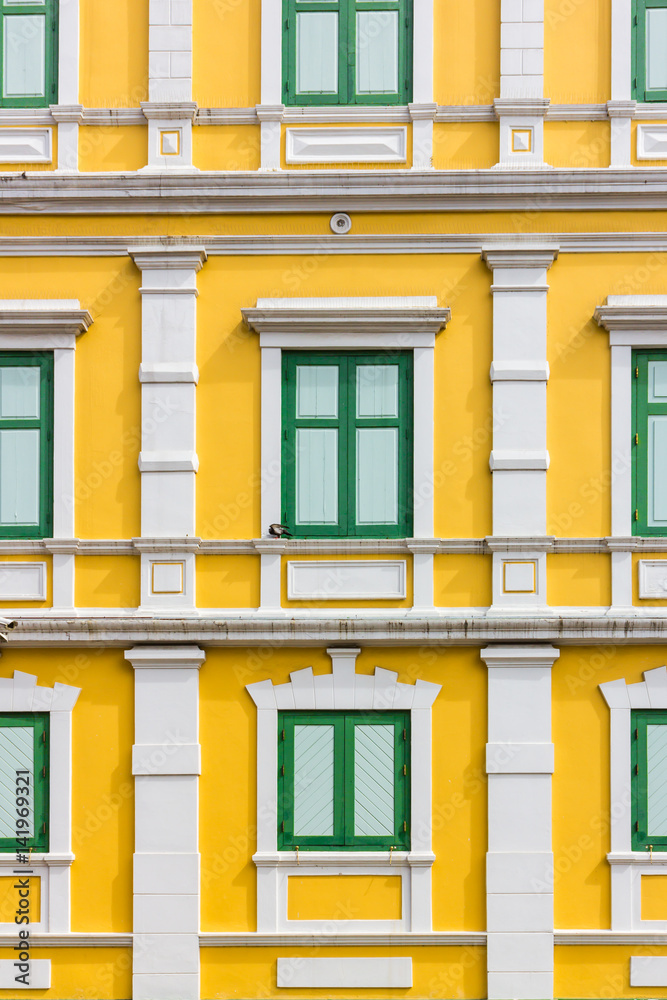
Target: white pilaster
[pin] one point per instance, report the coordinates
(521, 107)
(519, 764)
(519, 459)
(166, 765)
(168, 461)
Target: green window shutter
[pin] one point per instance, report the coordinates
(24, 797)
(649, 50)
(343, 780)
(29, 47)
(347, 52)
(347, 444)
(649, 780)
(649, 442)
(26, 444)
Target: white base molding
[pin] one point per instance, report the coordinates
(346, 145)
(648, 970)
(32, 975)
(336, 580)
(342, 973)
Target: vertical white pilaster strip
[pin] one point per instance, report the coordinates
(424, 415)
(621, 50)
(63, 477)
(271, 58)
(519, 861)
(168, 460)
(621, 454)
(521, 107)
(166, 764)
(68, 52)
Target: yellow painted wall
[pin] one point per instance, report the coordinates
(577, 51)
(465, 145)
(228, 822)
(577, 144)
(578, 579)
(9, 898)
(225, 147)
(599, 971)
(121, 148)
(653, 897)
(102, 784)
(344, 897)
(114, 54)
(49, 581)
(407, 603)
(468, 70)
(462, 581)
(436, 972)
(103, 973)
(228, 581)
(107, 581)
(226, 53)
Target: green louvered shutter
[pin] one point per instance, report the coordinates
(24, 781)
(28, 43)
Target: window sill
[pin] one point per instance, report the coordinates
(638, 857)
(319, 859)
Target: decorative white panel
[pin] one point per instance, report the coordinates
(652, 578)
(25, 145)
(22, 581)
(340, 973)
(651, 142)
(347, 145)
(340, 580)
(648, 970)
(38, 977)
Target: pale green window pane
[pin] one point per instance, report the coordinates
(377, 52)
(314, 781)
(19, 477)
(657, 381)
(317, 476)
(16, 754)
(656, 766)
(657, 470)
(19, 392)
(317, 52)
(28, 3)
(317, 391)
(377, 391)
(374, 781)
(656, 48)
(377, 475)
(24, 63)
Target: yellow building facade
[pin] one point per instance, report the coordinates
(333, 387)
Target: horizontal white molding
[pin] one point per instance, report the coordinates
(604, 189)
(518, 460)
(51, 318)
(324, 246)
(374, 144)
(331, 580)
(25, 145)
(38, 973)
(634, 320)
(22, 581)
(347, 859)
(647, 970)
(294, 939)
(168, 461)
(70, 940)
(519, 371)
(581, 937)
(651, 142)
(169, 372)
(339, 973)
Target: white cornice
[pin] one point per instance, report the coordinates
(176, 257)
(38, 316)
(73, 940)
(505, 255)
(633, 315)
(258, 192)
(609, 937)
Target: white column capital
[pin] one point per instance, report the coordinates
(164, 657)
(519, 656)
(160, 258)
(520, 257)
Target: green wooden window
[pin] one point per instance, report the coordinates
(24, 781)
(29, 30)
(649, 442)
(649, 50)
(649, 780)
(347, 444)
(26, 444)
(347, 51)
(343, 780)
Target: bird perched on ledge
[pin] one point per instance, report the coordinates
(6, 623)
(279, 530)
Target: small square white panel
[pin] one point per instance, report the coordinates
(170, 143)
(522, 140)
(167, 577)
(519, 577)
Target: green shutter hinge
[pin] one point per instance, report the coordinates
(636, 369)
(282, 770)
(405, 734)
(636, 438)
(44, 771)
(43, 827)
(636, 734)
(282, 735)
(282, 826)
(405, 769)
(636, 768)
(44, 736)
(636, 826)
(636, 515)
(405, 827)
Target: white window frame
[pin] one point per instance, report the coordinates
(343, 689)
(393, 323)
(53, 325)
(22, 694)
(628, 866)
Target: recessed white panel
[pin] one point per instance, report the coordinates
(652, 578)
(519, 577)
(341, 973)
(651, 141)
(167, 577)
(22, 581)
(340, 580)
(38, 976)
(648, 970)
(370, 144)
